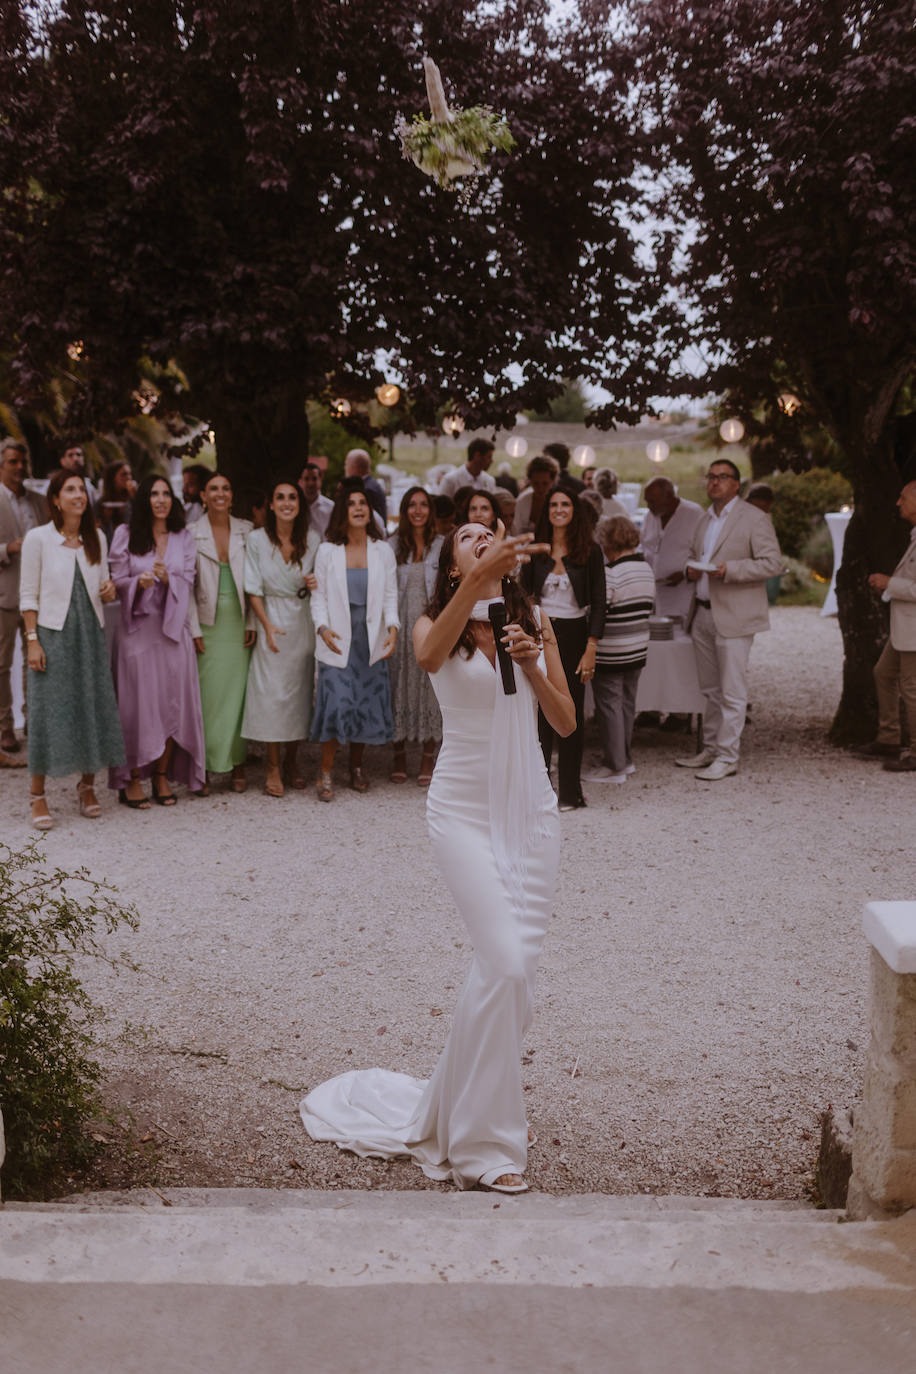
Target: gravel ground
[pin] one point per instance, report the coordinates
(702, 990)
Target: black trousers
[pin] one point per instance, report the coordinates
(572, 637)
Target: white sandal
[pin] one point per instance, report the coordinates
(41, 822)
(494, 1186)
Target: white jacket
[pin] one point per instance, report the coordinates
(331, 605)
(202, 608)
(46, 576)
(901, 593)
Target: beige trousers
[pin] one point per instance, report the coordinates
(895, 677)
(722, 674)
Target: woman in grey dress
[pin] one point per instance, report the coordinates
(278, 579)
(414, 707)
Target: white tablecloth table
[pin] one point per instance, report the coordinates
(669, 682)
(837, 522)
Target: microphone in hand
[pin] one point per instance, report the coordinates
(499, 620)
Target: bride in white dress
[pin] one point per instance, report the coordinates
(493, 823)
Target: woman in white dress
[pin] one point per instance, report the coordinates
(278, 578)
(494, 828)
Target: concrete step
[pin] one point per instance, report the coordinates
(237, 1280)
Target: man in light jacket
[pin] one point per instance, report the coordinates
(20, 511)
(733, 552)
(895, 671)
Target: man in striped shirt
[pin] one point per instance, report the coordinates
(621, 653)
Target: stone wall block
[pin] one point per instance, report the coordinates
(892, 1012)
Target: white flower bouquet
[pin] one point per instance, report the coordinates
(451, 143)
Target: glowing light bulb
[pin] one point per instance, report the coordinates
(341, 407)
(453, 425)
(789, 403)
(388, 394)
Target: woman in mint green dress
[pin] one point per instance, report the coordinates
(222, 629)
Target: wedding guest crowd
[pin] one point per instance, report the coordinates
(228, 627)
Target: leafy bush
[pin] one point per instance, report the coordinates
(801, 499)
(48, 1076)
(817, 551)
(800, 586)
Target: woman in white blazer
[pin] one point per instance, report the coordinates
(74, 725)
(222, 628)
(355, 610)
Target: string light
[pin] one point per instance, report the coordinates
(452, 425)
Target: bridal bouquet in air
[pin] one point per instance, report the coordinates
(452, 143)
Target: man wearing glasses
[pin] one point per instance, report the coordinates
(733, 552)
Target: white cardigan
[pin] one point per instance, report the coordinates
(331, 605)
(46, 576)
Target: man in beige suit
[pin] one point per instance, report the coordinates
(734, 550)
(20, 511)
(895, 671)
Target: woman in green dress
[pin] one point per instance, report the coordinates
(223, 636)
(74, 726)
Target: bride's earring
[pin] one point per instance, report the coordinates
(453, 582)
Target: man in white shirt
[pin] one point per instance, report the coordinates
(320, 507)
(473, 473)
(667, 533)
(20, 511)
(737, 548)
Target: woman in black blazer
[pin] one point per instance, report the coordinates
(568, 584)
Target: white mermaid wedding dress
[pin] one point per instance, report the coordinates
(492, 818)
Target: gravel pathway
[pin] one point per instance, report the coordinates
(702, 993)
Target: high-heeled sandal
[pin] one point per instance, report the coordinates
(427, 764)
(167, 799)
(274, 784)
(135, 803)
(293, 778)
(325, 786)
(45, 822)
(399, 768)
(90, 809)
(496, 1186)
(358, 780)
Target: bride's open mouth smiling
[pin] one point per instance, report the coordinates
(482, 545)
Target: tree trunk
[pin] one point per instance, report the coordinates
(875, 540)
(263, 439)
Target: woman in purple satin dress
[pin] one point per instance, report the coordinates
(153, 562)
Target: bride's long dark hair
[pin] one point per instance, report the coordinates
(519, 607)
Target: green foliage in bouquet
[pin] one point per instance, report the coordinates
(446, 151)
(49, 1077)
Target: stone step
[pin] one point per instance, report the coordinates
(259, 1282)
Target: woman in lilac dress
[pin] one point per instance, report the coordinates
(153, 562)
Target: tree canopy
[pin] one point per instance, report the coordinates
(221, 186)
(784, 139)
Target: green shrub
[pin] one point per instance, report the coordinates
(801, 499)
(48, 1074)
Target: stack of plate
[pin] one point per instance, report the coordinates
(661, 627)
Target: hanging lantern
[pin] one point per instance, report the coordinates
(452, 425)
(341, 408)
(388, 394)
(657, 451)
(731, 431)
(516, 447)
(584, 456)
(789, 403)
(76, 350)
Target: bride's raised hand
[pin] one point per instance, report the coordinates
(507, 551)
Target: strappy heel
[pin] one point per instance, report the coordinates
(427, 764)
(274, 783)
(325, 786)
(399, 767)
(90, 809)
(45, 822)
(169, 798)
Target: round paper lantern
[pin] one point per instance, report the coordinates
(453, 425)
(731, 431)
(516, 447)
(341, 407)
(789, 403)
(657, 451)
(584, 456)
(388, 394)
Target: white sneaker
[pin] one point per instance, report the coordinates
(716, 771)
(630, 769)
(603, 774)
(701, 760)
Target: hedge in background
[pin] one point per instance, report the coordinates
(803, 498)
